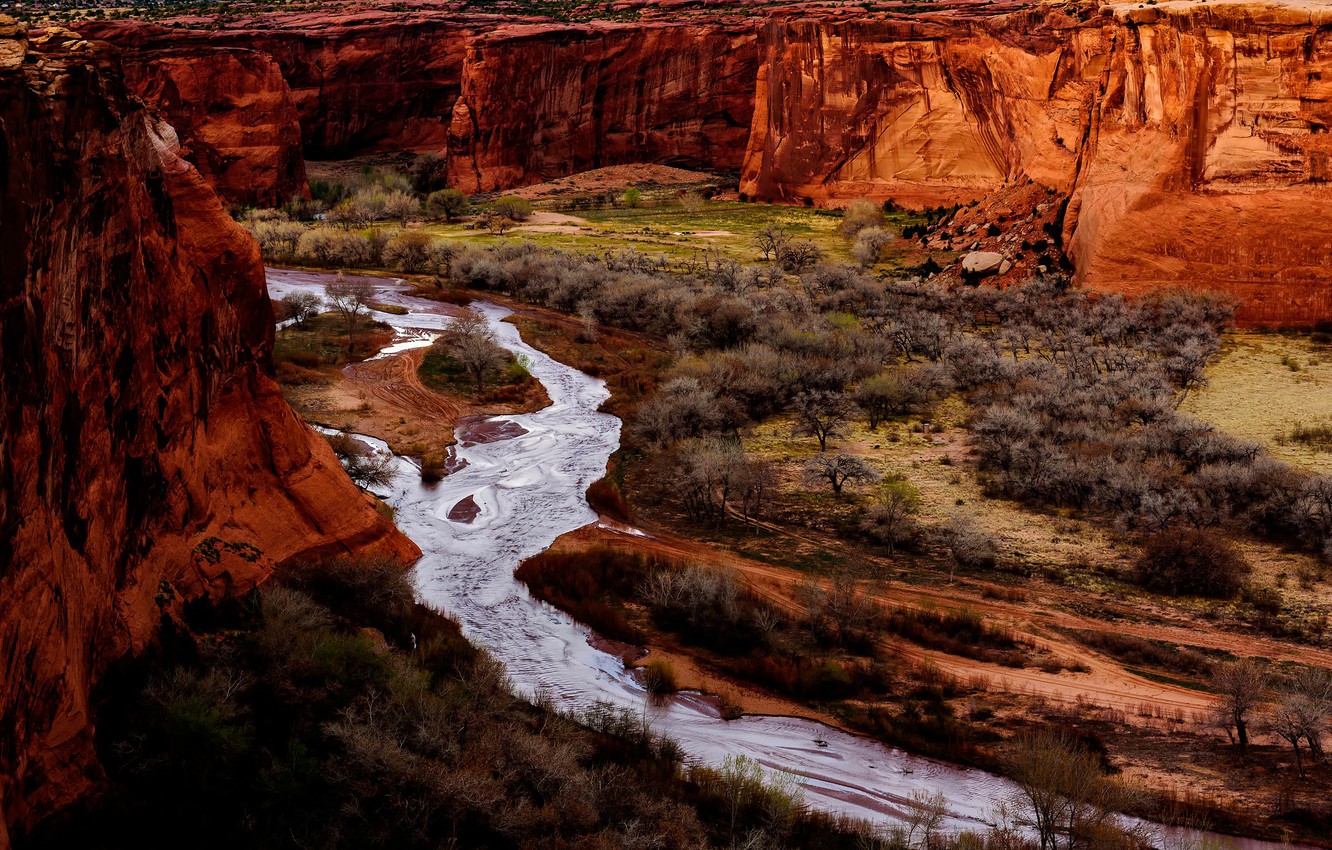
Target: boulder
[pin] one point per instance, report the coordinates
(982, 263)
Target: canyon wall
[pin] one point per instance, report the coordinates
(1207, 165)
(922, 112)
(1189, 138)
(234, 112)
(148, 456)
(539, 102)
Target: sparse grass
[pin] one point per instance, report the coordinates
(1255, 394)
(1031, 540)
(313, 353)
(669, 228)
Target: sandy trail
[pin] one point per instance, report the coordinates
(1107, 685)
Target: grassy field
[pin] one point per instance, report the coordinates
(669, 228)
(1266, 384)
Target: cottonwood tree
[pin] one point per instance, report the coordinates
(408, 252)
(401, 206)
(1241, 687)
(714, 475)
(471, 342)
(891, 518)
(512, 208)
(898, 391)
(870, 244)
(301, 305)
(1062, 791)
(822, 414)
(838, 470)
(448, 204)
(860, 215)
(350, 297)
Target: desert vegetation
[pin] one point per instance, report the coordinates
(332, 709)
(780, 386)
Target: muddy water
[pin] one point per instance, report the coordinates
(523, 486)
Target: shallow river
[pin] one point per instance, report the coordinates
(529, 489)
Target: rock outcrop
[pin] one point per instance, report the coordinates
(1189, 137)
(542, 101)
(1208, 161)
(926, 113)
(234, 112)
(148, 456)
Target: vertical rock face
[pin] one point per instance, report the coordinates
(356, 82)
(924, 113)
(148, 456)
(234, 111)
(539, 102)
(1191, 143)
(1208, 161)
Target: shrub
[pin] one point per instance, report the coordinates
(860, 215)
(1192, 562)
(659, 677)
(512, 208)
(448, 204)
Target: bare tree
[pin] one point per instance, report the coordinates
(756, 480)
(1241, 687)
(349, 296)
(301, 305)
(838, 470)
(926, 817)
(771, 240)
(797, 255)
(822, 414)
(1302, 713)
(472, 343)
(1063, 792)
(968, 542)
(365, 467)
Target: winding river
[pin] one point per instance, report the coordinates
(529, 488)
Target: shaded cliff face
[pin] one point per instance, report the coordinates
(148, 456)
(357, 82)
(234, 111)
(539, 102)
(1208, 161)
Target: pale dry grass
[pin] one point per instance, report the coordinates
(937, 461)
(1255, 395)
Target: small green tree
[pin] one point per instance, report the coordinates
(512, 208)
(448, 204)
(632, 197)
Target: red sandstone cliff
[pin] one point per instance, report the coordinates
(1207, 162)
(1190, 138)
(234, 112)
(542, 101)
(147, 454)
